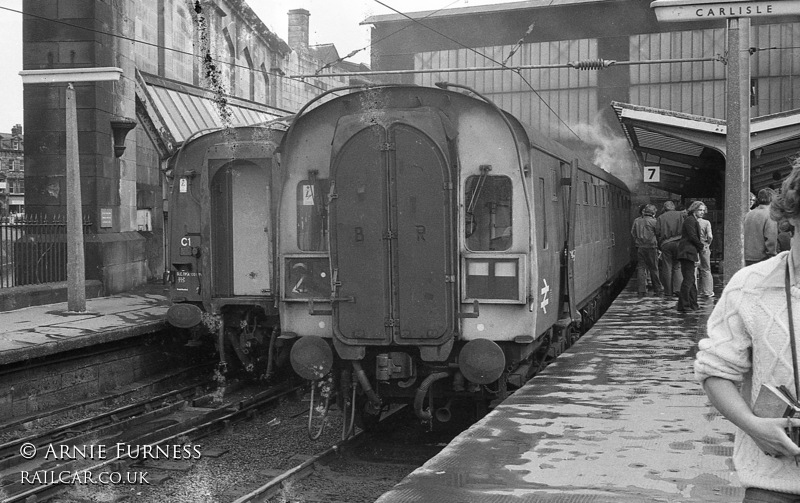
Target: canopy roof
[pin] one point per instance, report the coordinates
(690, 149)
(173, 111)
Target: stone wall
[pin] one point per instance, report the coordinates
(29, 390)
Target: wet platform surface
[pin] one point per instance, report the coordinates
(617, 418)
(38, 331)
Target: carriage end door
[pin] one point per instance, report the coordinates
(392, 250)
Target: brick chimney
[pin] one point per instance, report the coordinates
(298, 29)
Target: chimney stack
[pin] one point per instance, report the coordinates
(298, 29)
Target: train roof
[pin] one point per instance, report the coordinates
(536, 139)
(196, 145)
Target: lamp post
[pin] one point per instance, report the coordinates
(76, 267)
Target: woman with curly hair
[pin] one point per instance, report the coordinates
(748, 346)
(689, 248)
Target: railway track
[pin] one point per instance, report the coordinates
(39, 467)
(360, 468)
(191, 375)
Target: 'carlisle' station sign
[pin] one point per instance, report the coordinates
(697, 10)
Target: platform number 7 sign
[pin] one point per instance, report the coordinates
(652, 174)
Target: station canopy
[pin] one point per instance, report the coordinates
(172, 111)
(690, 149)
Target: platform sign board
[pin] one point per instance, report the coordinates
(705, 10)
(652, 174)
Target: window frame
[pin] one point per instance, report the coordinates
(466, 241)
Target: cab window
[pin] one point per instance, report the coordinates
(312, 214)
(487, 203)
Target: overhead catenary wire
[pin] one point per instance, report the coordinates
(593, 64)
(519, 44)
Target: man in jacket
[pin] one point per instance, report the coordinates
(669, 233)
(760, 231)
(644, 233)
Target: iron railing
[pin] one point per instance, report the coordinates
(33, 249)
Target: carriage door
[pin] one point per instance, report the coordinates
(240, 222)
(391, 245)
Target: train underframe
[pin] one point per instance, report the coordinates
(364, 389)
(248, 339)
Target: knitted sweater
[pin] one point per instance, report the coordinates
(751, 315)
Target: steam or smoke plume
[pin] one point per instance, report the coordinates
(611, 152)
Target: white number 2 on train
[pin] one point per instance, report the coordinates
(308, 195)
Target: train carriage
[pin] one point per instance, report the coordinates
(221, 249)
(433, 247)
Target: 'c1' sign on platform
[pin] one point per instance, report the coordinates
(705, 10)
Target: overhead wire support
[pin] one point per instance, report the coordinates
(590, 64)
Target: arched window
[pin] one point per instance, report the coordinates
(247, 78)
(228, 62)
(264, 95)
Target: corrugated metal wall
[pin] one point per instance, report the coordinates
(699, 88)
(696, 88)
(547, 99)
(538, 97)
(776, 67)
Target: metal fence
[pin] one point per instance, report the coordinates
(33, 249)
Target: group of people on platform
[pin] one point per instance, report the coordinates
(674, 248)
(670, 248)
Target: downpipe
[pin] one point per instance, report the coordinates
(422, 391)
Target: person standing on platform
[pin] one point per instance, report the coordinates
(689, 248)
(785, 233)
(705, 287)
(749, 346)
(760, 231)
(644, 233)
(669, 229)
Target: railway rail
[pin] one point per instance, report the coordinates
(178, 417)
(125, 393)
(360, 467)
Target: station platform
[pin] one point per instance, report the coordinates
(617, 418)
(38, 331)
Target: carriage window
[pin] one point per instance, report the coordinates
(488, 212)
(312, 214)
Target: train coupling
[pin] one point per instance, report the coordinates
(394, 365)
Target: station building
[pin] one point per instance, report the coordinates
(186, 67)
(606, 77)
